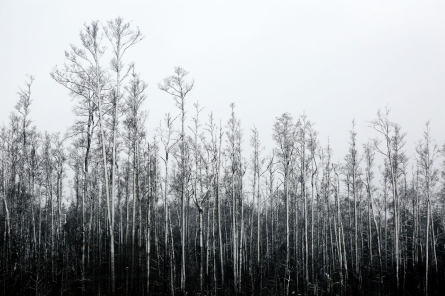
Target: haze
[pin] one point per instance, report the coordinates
(335, 61)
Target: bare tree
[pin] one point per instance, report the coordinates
(234, 138)
(369, 155)
(394, 144)
(284, 134)
(352, 166)
(427, 151)
(134, 123)
(178, 87)
(168, 143)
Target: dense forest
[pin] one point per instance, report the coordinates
(115, 207)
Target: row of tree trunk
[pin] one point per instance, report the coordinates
(107, 210)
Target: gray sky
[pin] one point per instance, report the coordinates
(333, 60)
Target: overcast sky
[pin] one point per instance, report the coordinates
(333, 60)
